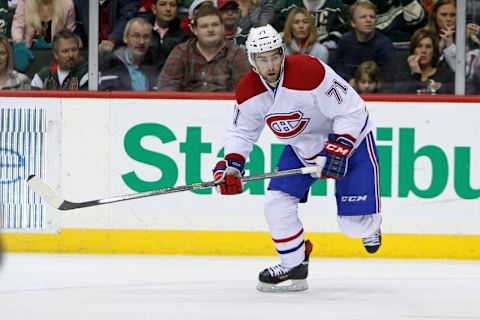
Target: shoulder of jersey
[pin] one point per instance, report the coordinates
(303, 72)
(248, 87)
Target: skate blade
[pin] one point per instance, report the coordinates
(286, 286)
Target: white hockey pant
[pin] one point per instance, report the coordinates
(286, 229)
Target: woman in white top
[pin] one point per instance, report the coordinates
(300, 35)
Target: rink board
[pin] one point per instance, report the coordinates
(429, 180)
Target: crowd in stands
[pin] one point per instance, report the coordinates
(377, 46)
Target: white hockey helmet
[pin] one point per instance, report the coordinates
(262, 39)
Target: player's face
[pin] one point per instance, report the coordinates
(366, 84)
(67, 54)
(209, 30)
(269, 65)
(364, 20)
(165, 11)
(446, 16)
(300, 28)
(424, 50)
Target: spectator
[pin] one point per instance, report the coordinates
(398, 19)
(113, 16)
(255, 13)
(67, 71)
(166, 30)
(35, 23)
(187, 22)
(131, 67)
(364, 43)
(300, 35)
(4, 18)
(9, 78)
(368, 78)
(442, 21)
(330, 17)
(231, 17)
(207, 62)
(424, 76)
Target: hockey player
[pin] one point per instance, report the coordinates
(319, 117)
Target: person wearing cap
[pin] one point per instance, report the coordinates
(231, 16)
(207, 62)
(166, 30)
(186, 23)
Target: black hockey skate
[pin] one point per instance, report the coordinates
(373, 242)
(282, 279)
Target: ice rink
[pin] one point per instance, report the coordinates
(71, 287)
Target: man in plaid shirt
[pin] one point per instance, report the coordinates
(207, 62)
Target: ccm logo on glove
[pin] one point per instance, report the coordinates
(337, 149)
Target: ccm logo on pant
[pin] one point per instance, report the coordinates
(354, 198)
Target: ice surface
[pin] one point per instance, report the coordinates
(105, 287)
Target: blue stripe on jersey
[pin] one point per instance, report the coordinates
(292, 249)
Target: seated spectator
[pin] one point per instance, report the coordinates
(9, 78)
(35, 24)
(207, 62)
(130, 67)
(300, 35)
(113, 16)
(424, 75)
(166, 30)
(68, 71)
(368, 78)
(4, 18)
(330, 18)
(364, 43)
(398, 19)
(187, 22)
(255, 13)
(231, 17)
(442, 21)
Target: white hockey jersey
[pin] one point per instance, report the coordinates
(310, 102)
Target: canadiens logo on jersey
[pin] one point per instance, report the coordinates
(287, 125)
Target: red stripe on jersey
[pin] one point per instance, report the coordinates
(248, 87)
(303, 72)
(289, 238)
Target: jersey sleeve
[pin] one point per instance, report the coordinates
(243, 129)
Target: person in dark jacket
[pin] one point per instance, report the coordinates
(364, 43)
(166, 30)
(68, 71)
(113, 16)
(130, 67)
(424, 76)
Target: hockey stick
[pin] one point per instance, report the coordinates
(51, 197)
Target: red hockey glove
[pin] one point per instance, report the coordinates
(228, 172)
(337, 150)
